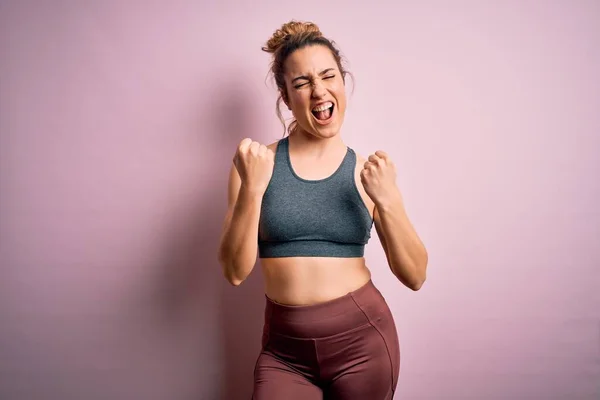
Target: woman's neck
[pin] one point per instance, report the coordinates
(309, 144)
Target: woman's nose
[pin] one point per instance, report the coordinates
(319, 90)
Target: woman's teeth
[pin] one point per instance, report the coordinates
(323, 111)
(323, 107)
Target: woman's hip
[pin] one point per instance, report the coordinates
(358, 308)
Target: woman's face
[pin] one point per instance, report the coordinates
(316, 91)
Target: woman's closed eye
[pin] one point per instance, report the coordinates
(306, 83)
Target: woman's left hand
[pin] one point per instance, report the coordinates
(378, 177)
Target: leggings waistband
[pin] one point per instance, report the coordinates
(328, 318)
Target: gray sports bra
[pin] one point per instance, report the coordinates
(312, 218)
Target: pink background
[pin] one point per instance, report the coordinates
(118, 123)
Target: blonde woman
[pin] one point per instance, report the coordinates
(306, 205)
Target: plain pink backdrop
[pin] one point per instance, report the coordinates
(118, 122)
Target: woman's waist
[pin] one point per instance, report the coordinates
(345, 313)
(301, 281)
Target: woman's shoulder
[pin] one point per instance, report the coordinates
(360, 159)
(273, 146)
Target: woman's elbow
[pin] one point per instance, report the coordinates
(419, 276)
(230, 276)
(416, 285)
(227, 269)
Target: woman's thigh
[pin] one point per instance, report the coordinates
(275, 380)
(364, 363)
(367, 368)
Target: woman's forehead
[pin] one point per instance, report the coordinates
(311, 60)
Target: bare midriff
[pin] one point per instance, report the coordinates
(312, 280)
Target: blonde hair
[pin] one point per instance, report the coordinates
(292, 36)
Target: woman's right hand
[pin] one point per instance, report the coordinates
(254, 163)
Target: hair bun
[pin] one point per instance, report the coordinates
(290, 29)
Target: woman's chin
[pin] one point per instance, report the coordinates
(322, 131)
(329, 130)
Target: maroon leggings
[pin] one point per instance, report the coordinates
(346, 348)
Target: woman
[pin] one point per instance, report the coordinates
(311, 202)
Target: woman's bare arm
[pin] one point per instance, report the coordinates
(248, 179)
(238, 248)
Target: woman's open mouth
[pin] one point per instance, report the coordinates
(323, 113)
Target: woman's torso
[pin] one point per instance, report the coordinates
(300, 280)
